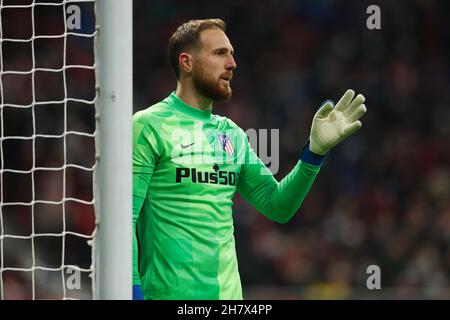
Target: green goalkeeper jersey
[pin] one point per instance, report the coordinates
(187, 166)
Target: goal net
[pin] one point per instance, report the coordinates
(49, 129)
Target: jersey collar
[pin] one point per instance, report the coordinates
(184, 107)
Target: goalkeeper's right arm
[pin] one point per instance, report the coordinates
(140, 185)
(137, 205)
(137, 292)
(143, 166)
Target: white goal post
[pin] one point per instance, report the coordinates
(113, 253)
(65, 149)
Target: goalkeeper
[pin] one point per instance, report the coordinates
(188, 163)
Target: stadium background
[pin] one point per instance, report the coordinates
(382, 196)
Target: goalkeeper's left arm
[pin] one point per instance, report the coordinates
(279, 201)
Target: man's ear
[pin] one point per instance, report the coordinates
(185, 61)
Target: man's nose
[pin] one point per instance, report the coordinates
(231, 64)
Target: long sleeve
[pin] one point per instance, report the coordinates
(278, 201)
(144, 159)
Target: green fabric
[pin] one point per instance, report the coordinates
(183, 186)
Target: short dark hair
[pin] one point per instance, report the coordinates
(186, 37)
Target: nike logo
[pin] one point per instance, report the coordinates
(184, 146)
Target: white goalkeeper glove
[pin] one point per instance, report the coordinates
(331, 125)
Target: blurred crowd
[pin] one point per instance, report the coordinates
(381, 198)
(39, 123)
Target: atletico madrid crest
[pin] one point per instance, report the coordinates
(225, 143)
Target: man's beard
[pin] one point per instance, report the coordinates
(211, 89)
